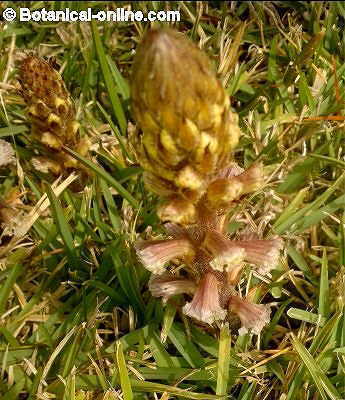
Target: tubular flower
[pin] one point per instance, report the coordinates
(186, 128)
(223, 190)
(168, 285)
(212, 265)
(51, 112)
(7, 155)
(264, 253)
(253, 316)
(226, 254)
(155, 254)
(205, 305)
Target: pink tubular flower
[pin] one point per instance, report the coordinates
(231, 184)
(252, 178)
(168, 285)
(264, 253)
(233, 169)
(253, 316)
(226, 254)
(154, 254)
(205, 305)
(228, 259)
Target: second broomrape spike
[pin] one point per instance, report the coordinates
(186, 128)
(52, 114)
(50, 107)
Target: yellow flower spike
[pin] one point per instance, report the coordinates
(186, 130)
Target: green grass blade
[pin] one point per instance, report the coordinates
(15, 267)
(301, 263)
(296, 218)
(168, 319)
(109, 291)
(324, 306)
(186, 348)
(205, 341)
(63, 227)
(112, 209)
(325, 387)
(329, 159)
(109, 82)
(107, 177)
(223, 360)
(291, 208)
(121, 82)
(342, 241)
(317, 216)
(123, 373)
(12, 130)
(159, 352)
(116, 131)
(306, 316)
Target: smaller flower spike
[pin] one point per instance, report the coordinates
(52, 115)
(156, 253)
(205, 305)
(168, 285)
(50, 107)
(253, 316)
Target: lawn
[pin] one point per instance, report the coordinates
(77, 319)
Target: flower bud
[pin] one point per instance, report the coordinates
(222, 191)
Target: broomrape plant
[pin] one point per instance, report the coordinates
(185, 134)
